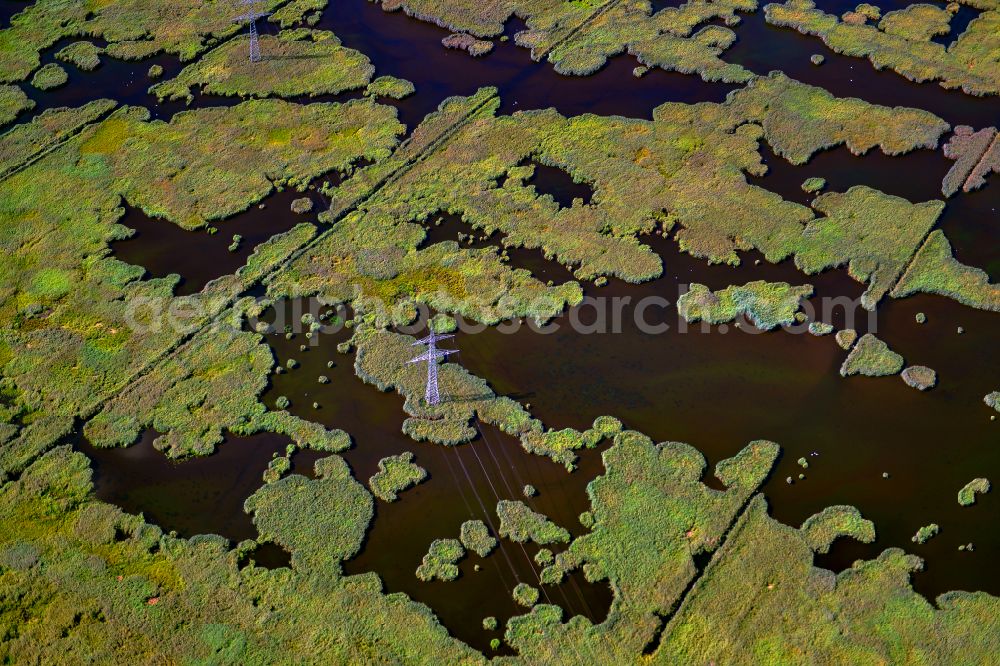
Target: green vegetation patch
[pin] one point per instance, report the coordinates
(519, 523)
(298, 10)
(845, 338)
(766, 304)
(651, 516)
(820, 328)
(288, 144)
(799, 120)
(12, 102)
(382, 360)
(967, 495)
(321, 521)
(559, 445)
(85, 55)
(579, 37)
(294, 63)
(78, 575)
(935, 270)
(133, 30)
(822, 529)
(871, 357)
(526, 595)
(477, 538)
(687, 168)
(391, 87)
(976, 155)
(813, 185)
(211, 386)
(919, 377)
(762, 596)
(926, 533)
(873, 233)
(440, 561)
(396, 474)
(50, 76)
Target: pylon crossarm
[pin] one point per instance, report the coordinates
(433, 337)
(427, 356)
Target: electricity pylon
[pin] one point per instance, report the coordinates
(251, 15)
(431, 356)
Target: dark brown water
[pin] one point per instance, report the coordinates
(163, 248)
(448, 227)
(559, 185)
(972, 224)
(196, 496)
(915, 176)
(123, 81)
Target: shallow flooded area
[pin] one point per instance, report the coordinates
(195, 496)
(719, 387)
(163, 248)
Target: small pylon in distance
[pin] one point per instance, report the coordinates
(251, 15)
(431, 356)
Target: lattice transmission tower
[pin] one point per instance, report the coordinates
(251, 15)
(431, 356)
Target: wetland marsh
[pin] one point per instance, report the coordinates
(211, 439)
